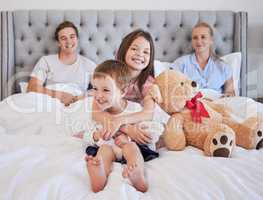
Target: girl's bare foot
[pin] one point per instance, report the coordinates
(97, 173)
(136, 176)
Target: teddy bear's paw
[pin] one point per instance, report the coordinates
(259, 139)
(222, 144)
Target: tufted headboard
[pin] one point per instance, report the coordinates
(26, 35)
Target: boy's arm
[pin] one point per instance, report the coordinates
(99, 116)
(112, 124)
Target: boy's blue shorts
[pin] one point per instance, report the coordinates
(146, 152)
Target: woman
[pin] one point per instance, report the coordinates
(65, 67)
(203, 66)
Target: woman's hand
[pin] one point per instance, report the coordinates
(228, 94)
(137, 134)
(229, 88)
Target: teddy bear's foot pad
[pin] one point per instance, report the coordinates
(259, 139)
(222, 145)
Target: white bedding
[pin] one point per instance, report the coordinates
(39, 159)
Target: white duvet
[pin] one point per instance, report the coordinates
(39, 159)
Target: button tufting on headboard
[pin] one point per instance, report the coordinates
(101, 31)
(46, 52)
(189, 38)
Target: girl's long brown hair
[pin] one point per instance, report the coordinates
(124, 46)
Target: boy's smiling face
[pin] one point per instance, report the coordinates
(106, 93)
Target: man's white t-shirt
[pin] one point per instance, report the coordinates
(51, 70)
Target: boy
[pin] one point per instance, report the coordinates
(109, 86)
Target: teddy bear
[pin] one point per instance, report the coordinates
(198, 122)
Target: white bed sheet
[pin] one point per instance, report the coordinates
(47, 163)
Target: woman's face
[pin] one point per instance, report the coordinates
(201, 40)
(67, 40)
(138, 55)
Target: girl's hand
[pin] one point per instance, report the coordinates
(137, 134)
(110, 127)
(121, 140)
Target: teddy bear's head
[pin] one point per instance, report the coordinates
(171, 90)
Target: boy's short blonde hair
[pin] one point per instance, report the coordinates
(117, 70)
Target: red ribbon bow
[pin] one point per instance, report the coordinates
(197, 108)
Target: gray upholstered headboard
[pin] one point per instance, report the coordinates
(27, 35)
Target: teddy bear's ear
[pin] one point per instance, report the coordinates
(156, 94)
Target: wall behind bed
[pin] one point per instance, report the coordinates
(254, 9)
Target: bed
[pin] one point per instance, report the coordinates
(39, 159)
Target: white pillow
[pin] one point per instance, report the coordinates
(23, 86)
(159, 67)
(234, 60)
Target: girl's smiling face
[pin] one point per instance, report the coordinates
(138, 54)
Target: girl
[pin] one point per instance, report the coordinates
(65, 67)
(137, 52)
(203, 66)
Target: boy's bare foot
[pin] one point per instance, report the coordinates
(136, 176)
(97, 173)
